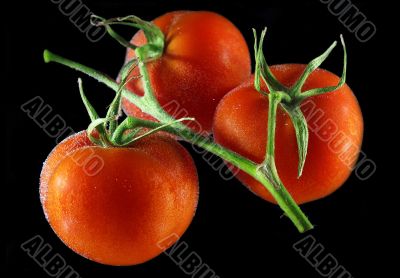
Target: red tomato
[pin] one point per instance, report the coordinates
(240, 124)
(205, 56)
(68, 145)
(119, 214)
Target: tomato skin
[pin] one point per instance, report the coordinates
(205, 56)
(65, 147)
(240, 124)
(142, 195)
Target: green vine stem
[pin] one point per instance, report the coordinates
(268, 168)
(149, 104)
(291, 98)
(154, 47)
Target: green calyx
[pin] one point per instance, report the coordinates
(110, 132)
(290, 98)
(154, 47)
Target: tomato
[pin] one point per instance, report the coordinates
(65, 147)
(335, 134)
(205, 56)
(119, 214)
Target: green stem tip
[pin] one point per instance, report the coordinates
(46, 56)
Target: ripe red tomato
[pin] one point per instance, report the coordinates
(335, 134)
(119, 214)
(205, 56)
(68, 145)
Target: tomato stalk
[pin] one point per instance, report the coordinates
(154, 47)
(151, 106)
(103, 141)
(290, 100)
(267, 169)
(292, 97)
(112, 134)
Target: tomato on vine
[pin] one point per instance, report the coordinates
(334, 121)
(142, 195)
(144, 188)
(200, 57)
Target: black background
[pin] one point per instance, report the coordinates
(233, 231)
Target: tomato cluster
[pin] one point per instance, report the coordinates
(147, 190)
